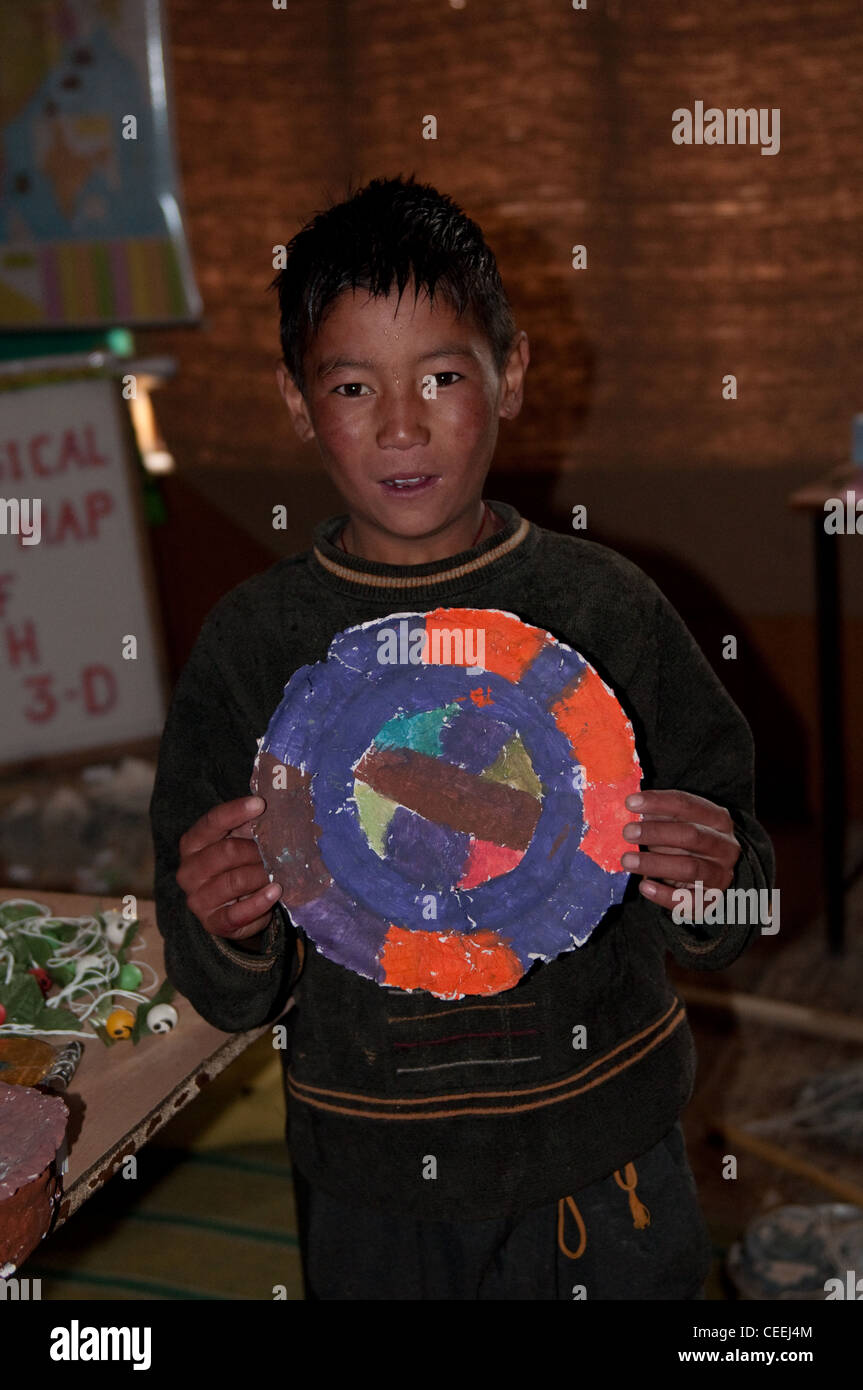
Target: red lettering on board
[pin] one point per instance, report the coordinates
(48, 455)
(80, 526)
(11, 466)
(5, 581)
(22, 641)
(39, 466)
(44, 705)
(68, 521)
(97, 504)
(100, 689)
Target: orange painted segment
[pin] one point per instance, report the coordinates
(598, 731)
(603, 742)
(510, 645)
(605, 815)
(448, 964)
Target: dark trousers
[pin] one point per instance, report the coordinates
(595, 1245)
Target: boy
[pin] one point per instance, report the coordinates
(488, 1169)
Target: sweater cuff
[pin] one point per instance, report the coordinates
(263, 959)
(715, 945)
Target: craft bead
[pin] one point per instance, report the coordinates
(120, 1023)
(42, 978)
(116, 926)
(161, 1018)
(129, 977)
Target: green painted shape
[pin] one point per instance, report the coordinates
(418, 731)
(376, 812)
(514, 767)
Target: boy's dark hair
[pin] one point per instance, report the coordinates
(391, 230)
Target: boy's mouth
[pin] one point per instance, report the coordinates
(409, 484)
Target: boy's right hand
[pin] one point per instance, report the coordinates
(222, 874)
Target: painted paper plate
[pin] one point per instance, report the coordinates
(445, 800)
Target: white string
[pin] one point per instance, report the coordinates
(112, 994)
(27, 1030)
(9, 957)
(81, 995)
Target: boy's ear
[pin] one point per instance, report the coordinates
(512, 392)
(293, 399)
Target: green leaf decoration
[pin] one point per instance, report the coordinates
(164, 994)
(62, 974)
(64, 932)
(18, 912)
(128, 937)
(38, 950)
(20, 948)
(57, 1021)
(22, 999)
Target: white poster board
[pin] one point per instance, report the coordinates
(75, 582)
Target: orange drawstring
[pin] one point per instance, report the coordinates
(640, 1214)
(561, 1215)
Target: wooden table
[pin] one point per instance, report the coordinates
(121, 1095)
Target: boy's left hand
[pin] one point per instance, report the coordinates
(681, 839)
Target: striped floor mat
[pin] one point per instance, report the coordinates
(210, 1214)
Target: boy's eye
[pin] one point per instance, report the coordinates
(351, 389)
(347, 387)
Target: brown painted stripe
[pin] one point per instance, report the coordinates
(450, 796)
(676, 1012)
(287, 831)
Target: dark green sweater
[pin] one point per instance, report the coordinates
(504, 1136)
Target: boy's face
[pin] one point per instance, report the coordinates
(410, 467)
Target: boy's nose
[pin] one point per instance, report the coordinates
(402, 421)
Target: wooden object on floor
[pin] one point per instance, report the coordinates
(822, 1023)
(801, 1167)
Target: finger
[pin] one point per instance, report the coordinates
(681, 868)
(680, 806)
(691, 838)
(667, 894)
(660, 893)
(241, 919)
(219, 821)
(227, 888)
(244, 831)
(726, 861)
(230, 853)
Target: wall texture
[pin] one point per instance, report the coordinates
(554, 128)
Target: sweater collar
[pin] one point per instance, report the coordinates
(350, 574)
